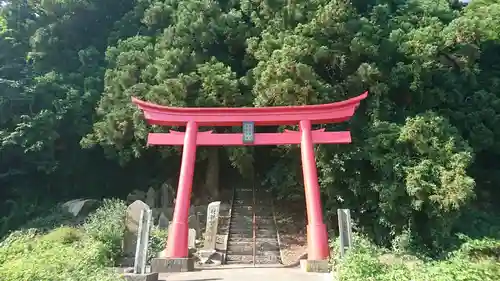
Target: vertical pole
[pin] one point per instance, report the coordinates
(137, 258)
(145, 240)
(317, 236)
(177, 243)
(345, 230)
(254, 225)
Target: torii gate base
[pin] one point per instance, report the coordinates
(176, 254)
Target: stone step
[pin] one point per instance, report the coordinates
(248, 259)
(242, 213)
(260, 233)
(241, 208)
(240, 243)
(231, 253)
(240, 227)
(242, 216)
(240, 234)
(244, 228)
(267, 238)
(263, 220)
(233, 239)
(265, 224)
(262, 213)
(249, 202)
(243, 222)
(257, 210)
(267, 246)
(265, 217)
(270, 240)
(248, 247)
(239, 259)
(268, 258)
(261, 243)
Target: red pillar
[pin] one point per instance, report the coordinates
(317, 236)
(177, 243)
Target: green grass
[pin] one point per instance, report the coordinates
(69, 252)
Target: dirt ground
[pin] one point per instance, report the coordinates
(291, 223)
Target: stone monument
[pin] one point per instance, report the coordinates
(132, 226)
(345, 230)
(210, 231)
(192, 239)
(141, 253)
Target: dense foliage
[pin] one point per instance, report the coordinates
(473, 261)
(424, 143)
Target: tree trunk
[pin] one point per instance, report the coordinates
(212, 176)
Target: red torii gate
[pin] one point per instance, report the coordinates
(304, 116)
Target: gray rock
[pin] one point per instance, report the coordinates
(151, 197)
(80, 207)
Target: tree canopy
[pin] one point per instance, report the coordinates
(425, 143)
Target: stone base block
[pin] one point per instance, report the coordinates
(141, 277)
(163, 265)
(321, 266)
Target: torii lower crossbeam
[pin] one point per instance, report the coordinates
(236, 139)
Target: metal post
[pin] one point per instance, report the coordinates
(254, 226)
(345, 230)
(137, 260)
(145, 241)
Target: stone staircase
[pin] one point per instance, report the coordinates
(240, 246)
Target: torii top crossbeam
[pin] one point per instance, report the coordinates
(276, 115)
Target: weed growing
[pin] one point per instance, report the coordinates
(475, 260)
(68, 253)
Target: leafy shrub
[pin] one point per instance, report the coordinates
(157, 242)
(479, 249)
(43, 260)
(367, 262)
(63, 235)
(66, 253)
(107, 225)
(16, 244)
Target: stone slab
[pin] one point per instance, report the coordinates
(321, 266)
(212, 225)
(132, 226)
(141, 277)
(162, 265)
(191, 238)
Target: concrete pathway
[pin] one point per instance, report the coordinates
(246, 273)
